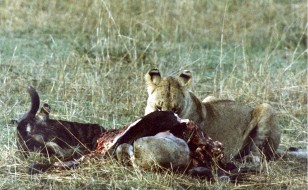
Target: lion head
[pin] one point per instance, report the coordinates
(168, 93)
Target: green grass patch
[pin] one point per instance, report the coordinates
(87, 59)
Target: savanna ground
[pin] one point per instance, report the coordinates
(87, 59)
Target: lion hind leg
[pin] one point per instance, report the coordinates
(265, 138)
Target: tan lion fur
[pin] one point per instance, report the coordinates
(243, 130)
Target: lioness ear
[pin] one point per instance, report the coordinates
(186, 78)
(152, 79)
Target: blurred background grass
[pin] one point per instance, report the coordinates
(87, 59)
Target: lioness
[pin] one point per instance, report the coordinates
(245, 132)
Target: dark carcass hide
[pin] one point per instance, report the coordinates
(36, 132)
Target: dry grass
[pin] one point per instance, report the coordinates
(87, 60)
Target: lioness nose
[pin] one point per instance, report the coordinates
(174, 110)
